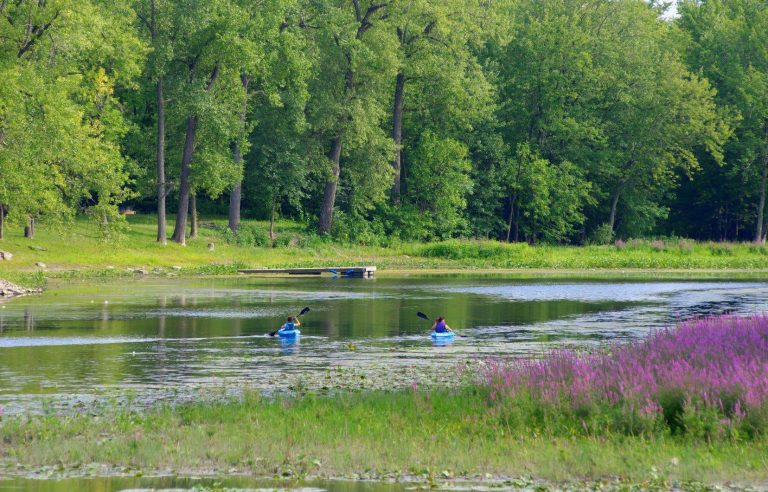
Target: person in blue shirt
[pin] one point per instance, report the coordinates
(441, 326)
(291, 324)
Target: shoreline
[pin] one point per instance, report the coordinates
(366, 436)
(33, 280)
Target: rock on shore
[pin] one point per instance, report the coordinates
(8, 290)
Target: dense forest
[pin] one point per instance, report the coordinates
(559, 121)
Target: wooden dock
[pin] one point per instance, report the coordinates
(358, 272)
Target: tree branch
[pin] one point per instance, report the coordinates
(37, 32)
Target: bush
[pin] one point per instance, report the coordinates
(602, 235)
(247, 235)
(458, 250)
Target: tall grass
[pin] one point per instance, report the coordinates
(657, 254)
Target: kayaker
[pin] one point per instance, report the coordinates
(291, 324)
(441, 326)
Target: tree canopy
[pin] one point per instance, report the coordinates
(562, 121)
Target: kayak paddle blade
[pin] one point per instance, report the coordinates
(423, 316)
(304, 311)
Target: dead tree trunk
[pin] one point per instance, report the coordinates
(2, 222)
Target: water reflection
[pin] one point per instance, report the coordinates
(169, 340)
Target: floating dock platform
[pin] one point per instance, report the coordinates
(358, 272)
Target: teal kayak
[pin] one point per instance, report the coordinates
(282, 333)
(442, 336)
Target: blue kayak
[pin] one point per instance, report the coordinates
(442, 336)
(282, 333)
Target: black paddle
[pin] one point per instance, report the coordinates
(427, 318)
(302, 313)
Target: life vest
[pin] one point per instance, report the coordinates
(289, 326)
(440, 327)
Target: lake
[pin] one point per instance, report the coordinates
(142, 342)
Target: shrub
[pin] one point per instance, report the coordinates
(602, 235)
(247, 235)
(457, 250)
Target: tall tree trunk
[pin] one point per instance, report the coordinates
(329, 195)
(516, 223)
(235, 197)
(614, 206)
(272, 218)
(511, 217)
(193, 216)
(180, 229)
(761, 204)
(397, 135)
(162, 236)
(2, 222)
(29, 229)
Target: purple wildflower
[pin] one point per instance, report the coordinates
(718, 364)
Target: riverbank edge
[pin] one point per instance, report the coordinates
(33, 281)
(430, 481)
(367, 435)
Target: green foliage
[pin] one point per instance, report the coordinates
(247, 235)
(603, 234)
(439, 183)
(504, 130)
(61, 124)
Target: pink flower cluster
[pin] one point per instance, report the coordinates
(713, 361)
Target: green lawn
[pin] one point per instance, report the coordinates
(78, 247)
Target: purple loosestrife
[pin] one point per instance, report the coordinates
(715, 364)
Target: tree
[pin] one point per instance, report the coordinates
(440, 183)
(546, 202)
(436, 49)
(155, 18)
(60, 123)
(615, 101)
(355, 53)
(727, 42)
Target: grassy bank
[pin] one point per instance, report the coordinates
(689, 403)
(78, 250)
(441, 434)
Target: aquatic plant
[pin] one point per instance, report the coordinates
(705, 376)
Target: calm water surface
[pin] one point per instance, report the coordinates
(140, 342)
(233, 484)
